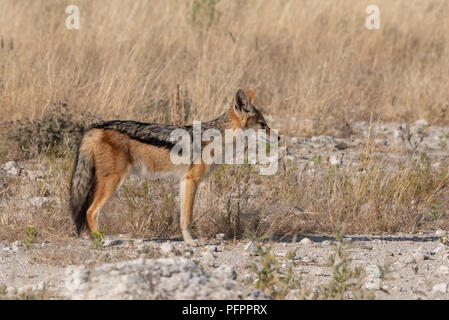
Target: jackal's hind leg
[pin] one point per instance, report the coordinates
(104, 190)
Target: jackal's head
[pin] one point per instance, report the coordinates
(246, 116)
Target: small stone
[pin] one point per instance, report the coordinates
(419, 256)
(421, 123)
(208, 255)
(440, 288)
(316, 272)
(166, 248)
(407, 260)
(306, 242)
(335, 160)
(306, 260)
(251, 248)
(39, 286)
(227, 271)
(326, 243)
(443, 270)
(138, 242)
(439, 249)
(347, 239)
(372, 284)
(10, 291)
(110, 243)
(373, 271)
(17, 244)
(212, 248)
(248, 278)
(221, 236)
(11, 168)
(440, 233)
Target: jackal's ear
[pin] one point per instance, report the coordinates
(242, 103)
(250, 95)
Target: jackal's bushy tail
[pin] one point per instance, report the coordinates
(81, 187)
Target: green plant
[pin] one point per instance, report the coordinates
(345, 277)
(97, 239)
(204, 13)
(444, 239)
(31, 234)
(271, 278)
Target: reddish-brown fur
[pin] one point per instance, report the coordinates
(112, 155)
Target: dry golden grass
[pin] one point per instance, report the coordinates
(310, 59)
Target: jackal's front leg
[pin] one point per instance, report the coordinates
(187, 196)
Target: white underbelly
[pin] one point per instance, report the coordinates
(142, 170)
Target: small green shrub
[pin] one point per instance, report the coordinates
(271, 278)
(31, 234)
(345, 277)
(97, 240)
(204, 13)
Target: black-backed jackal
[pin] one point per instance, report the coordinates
(109, 151)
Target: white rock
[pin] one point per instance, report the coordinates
(221, 236)
(335, 160)
(111, 242)
(208, 255)
(250, 248)
(76, 277)
(211, 248)
(439, 248)
(419, 256)
(306, 242)
(421, 123)
(348, 239)
(166, 248)
(39, 286)
(138, 242)
(227, 271)
(306, 259)
(156, 279)
(440, 233)
(440, 288)
(11, 168)
(248, 278)
(326, 243)
(443, 270)
(17, 244)
(372, 284)
(373, 271)
(10, 291)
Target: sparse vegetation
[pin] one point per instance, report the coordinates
(346, 279)
(97, 240)
(31, 234)
(55, 134)
(204, 13)
(271, 277)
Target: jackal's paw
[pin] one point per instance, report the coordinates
(188, 239)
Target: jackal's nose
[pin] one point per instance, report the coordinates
(279, 138)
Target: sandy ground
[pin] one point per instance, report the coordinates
(417, 265)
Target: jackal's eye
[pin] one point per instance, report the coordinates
(262, 125)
